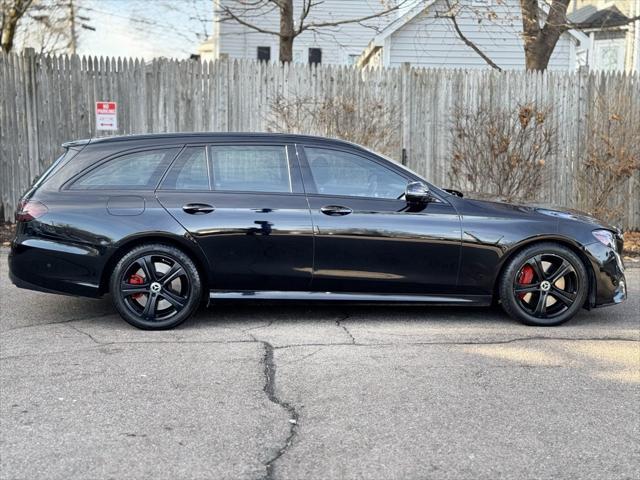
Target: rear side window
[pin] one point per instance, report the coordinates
(139, 170)
(250, 168)
(54, 167)
(189, 171)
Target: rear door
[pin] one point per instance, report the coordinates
(244, 204)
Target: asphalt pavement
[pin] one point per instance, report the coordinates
(267, 391)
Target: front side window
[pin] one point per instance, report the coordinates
(139, 170)
(250, 168)
(341, 173)
(189, 171)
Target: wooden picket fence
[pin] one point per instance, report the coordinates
(47, 100)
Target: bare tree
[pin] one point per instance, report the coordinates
(543, 27)
(452, 13)
(292, 24)
(186, 20)
(543, 23)
(12, 12)
(50, 26)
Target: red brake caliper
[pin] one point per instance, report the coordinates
(525, 277)
(136, 279)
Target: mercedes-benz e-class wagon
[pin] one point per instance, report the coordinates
(165, 222)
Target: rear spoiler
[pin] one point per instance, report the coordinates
(76, 143)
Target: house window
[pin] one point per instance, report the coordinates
(353, 59)
(609, 55)
(264, 54)
(315, 56)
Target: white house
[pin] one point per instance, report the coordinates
(615, 40)
(342, 44)
(425, 37)
(418, 34)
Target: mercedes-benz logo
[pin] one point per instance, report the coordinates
(545, 286)
(156, 287)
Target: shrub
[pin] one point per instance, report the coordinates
(501, 152)
(612, 157)
(369, 122)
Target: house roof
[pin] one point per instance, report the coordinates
(592, 18)
(401, 21)
(397, 24)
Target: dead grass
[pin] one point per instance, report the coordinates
(632, 244)
(6, 233)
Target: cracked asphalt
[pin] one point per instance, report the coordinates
(316, 392)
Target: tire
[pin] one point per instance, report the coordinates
(162, 273)
(545, 284)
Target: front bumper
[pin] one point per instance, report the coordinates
(609, 283)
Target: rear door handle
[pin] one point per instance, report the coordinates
(198, 208)
(335, 210)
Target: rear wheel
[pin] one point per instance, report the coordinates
(544, 285)
(155, 287)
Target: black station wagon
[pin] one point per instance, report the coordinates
(163, 222)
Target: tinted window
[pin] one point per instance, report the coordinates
(250, 168)
(139, 170)
(189, 171)
(342, 173)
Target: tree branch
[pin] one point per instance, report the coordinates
(335, 23)
(230, 15)
(452, 16)
(11, 15)
(587, 26)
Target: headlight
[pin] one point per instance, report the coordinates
(606, 238)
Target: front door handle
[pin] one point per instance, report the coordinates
(335, 210)
(198, 208)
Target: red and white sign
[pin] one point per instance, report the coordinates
(106, 116)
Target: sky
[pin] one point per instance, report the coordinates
(144, 28)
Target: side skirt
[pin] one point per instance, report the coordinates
(471, 300)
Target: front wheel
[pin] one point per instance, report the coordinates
(155, 287)
(544, 285)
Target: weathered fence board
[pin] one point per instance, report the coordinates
(45, 101)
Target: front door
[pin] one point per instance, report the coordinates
(368, 239)
(245, 206)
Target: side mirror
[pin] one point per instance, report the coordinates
(417, 192)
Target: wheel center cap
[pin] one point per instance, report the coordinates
(545, 286)
(156, 287)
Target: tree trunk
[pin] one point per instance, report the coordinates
(287, 33)
(9, 24)
(10, 18)
(539, 42)
(538, 54)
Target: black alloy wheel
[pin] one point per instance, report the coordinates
(156, 287)
(544, 285)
